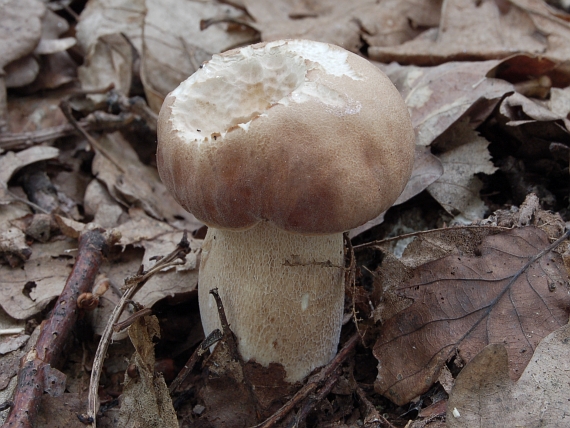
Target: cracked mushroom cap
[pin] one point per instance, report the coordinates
(303, 134)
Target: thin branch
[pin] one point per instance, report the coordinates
(66, 109)
(212, 338)
(427, 232)
(313, 383)
(22, 200)
(55, 332)
(313, 400)
(120, 326)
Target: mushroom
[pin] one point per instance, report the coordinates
(279, 148)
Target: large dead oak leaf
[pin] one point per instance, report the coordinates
(485, 396)
(507, 292)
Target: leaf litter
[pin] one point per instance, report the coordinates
(492, 128)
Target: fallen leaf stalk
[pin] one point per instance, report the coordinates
(55, 332)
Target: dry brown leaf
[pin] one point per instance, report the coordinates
(57, 67)
(168, 283)
(108, 54)
(13, 245)
(145, 401)
(12, 342)
(325, 21)
(346, 24)
(438, 96)
(105, 17)
(171, 282)
(393, 22)
(560, 104)
(175, 45)
(108, 61)
(457, 190)
(463, 302)
(35, 113)
(26, 291)
(482, 30)
(139, 184)
(98, 203)
(427, 169)
(20, 29)
(485, 396)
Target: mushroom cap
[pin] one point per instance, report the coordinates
(303, 134)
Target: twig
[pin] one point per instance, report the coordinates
(120, 326)
(66, 109)
(212, 338)
(313, 400)
(94, 122)
(228, 335)
(427, 232)
(312, 383)
(55, 332)
(22, 200)
(134, 284)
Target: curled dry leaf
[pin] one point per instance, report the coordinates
(438, 96)
(485, 395)
(463, 302)
(165, 34)
(100, 31)
(457, 190)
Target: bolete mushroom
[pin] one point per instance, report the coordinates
(279, 148)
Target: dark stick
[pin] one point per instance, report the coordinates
(55, 332)
(228, 335)
(212, 338)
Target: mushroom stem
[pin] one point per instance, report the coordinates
(283, 294)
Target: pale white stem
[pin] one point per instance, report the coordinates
(283, 294)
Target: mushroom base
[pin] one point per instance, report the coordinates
(283, 294)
